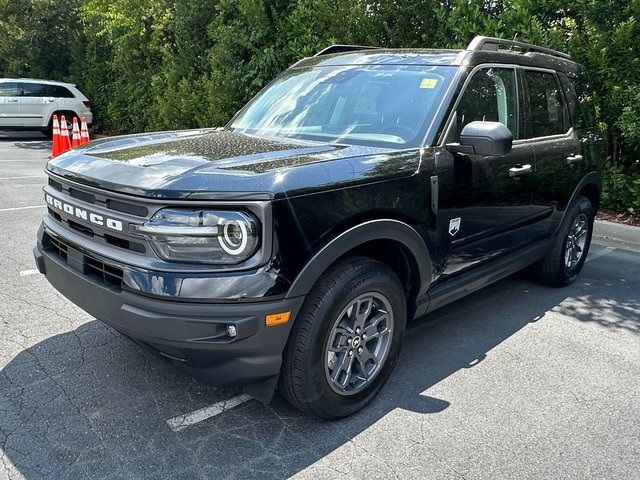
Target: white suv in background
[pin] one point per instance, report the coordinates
(29, 104)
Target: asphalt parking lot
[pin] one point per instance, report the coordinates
(515, 381)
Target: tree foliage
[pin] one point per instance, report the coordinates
(169, 64)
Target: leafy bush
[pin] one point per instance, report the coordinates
(168, 64)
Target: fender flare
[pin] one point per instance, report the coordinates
(384, 229)
(591, 178)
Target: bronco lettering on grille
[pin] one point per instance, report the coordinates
(83, 214)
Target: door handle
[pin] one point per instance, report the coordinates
(571, 159)
(49, 100)
(13, 100)
(517, 171)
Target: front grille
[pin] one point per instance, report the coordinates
(87, 212)
(56, 185)
(81, 228)
(90, 198)
(84, 196)
(102, 271)
(137, 210)
(91, 267)
(55, 246)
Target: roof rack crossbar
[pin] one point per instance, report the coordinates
(342, 48)
(480, 43)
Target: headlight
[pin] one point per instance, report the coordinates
(201, 236)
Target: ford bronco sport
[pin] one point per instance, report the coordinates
(361, 189)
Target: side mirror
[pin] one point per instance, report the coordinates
(489, 139)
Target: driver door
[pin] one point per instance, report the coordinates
(10, 105)
(483, 206)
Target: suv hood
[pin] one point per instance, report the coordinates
(213, 163)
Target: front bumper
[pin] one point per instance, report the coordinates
(193, 336)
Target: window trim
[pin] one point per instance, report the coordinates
(565, 112)
(446, 131)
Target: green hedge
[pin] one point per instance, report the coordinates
(160, 64)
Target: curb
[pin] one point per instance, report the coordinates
(617, 233)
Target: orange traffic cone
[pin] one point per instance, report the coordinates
(55, 140)
(84, 131)
(75, 136)
(65, 144)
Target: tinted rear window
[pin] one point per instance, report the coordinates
(32, 89)
(58, 91)
(545, 113)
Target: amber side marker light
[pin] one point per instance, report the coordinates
(277, 319)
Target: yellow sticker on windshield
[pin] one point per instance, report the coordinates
(429, 83)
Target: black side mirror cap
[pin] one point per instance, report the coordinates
(489, 139)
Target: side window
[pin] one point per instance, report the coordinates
(491, 95)
(570, 97)
(58, 91)
(545, 114)
(33, 90)
(580, 101)
(9, 89)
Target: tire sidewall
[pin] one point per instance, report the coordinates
(374, 280)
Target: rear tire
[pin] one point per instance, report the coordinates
(565, 261)
(343, 321)
(68, 117)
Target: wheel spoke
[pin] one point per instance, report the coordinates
(363, 368)
(366, 355)
(377, 334)
(345, 365)
(372, 327)
(362, 311)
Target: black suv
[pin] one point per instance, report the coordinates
(361, 189)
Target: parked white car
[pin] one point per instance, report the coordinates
(29, 104)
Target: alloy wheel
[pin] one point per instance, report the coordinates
(576, 241)
(359, 343)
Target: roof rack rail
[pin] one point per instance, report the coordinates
(480, 43)
(342, 48)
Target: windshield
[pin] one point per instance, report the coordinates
(382, 105)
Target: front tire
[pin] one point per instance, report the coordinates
(346, 340)
(571, 247)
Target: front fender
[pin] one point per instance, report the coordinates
(384, 229)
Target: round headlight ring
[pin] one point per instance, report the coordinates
(229, 244)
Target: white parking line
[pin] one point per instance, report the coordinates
(188, 419)
(25, 176)
(20, 208)
(601, 253)
(24, 273)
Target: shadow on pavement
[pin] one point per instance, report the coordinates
(11, 136)
(88, 403)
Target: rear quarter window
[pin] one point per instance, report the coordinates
(58, 91)
(579, 101)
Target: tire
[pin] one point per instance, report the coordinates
(68, 117)
(554, 269)
(305, 381)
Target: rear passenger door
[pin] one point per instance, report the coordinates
(35, 104)
(558, 158)
(10, 105)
